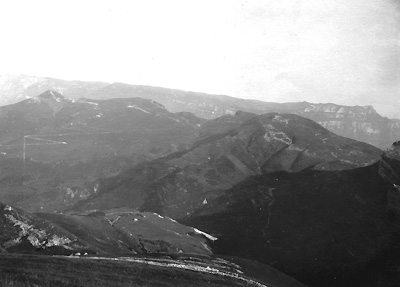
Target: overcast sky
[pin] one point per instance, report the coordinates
(343, 51)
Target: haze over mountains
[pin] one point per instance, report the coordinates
(207, 143)
(362, 123)
(122, 170)
(341, 51)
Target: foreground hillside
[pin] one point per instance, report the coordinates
(45, 271)
(111, 232)
(119, 248)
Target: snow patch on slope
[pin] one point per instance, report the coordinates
(140, 109)
(208, 236)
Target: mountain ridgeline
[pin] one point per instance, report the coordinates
(227, 151)
(202, 182)
(53, 148)
(356, 122)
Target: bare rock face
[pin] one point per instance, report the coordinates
(389, 169)
(26, 232)
(362, 123)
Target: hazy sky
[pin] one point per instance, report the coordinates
(343, 51)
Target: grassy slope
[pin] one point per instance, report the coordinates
(28, 270)
(32, 270)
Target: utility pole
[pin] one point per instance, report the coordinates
(23, 157)
(24, 151)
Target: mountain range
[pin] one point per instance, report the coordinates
(53, 148)
(200, 181)
(357, 122)
(56, 151)
(227, 151)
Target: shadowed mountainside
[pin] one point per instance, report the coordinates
(52, 148)
(228, 150)
(390, 171)
(325, 228)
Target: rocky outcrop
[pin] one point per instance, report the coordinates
(119, 231)
(389, 169)
(26, 232)
(362, 123)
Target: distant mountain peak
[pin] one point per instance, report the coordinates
(54, 100)
(51, 95)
